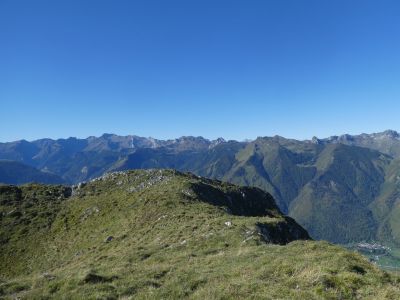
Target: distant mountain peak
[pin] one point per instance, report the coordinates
(217, 142)
(316, 140)
(107, 135)
(346, 137)
(391, 134)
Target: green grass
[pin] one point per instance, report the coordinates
(170, 239)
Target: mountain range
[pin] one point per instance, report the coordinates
(341, 189)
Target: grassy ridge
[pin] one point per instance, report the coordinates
(164, 234)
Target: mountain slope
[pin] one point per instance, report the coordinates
(76, 160)
(386, 207)
(281, 167)
(340, 189)
(12, 172)
(335, 204)
(164, 234)
(212, 162)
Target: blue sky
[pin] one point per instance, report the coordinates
(236, 69)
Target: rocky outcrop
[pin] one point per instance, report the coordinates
(282, 233)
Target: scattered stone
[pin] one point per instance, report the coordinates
(249, 235)
(154, 179)
(89, 211)
(48, 276)
(162, 217)
(109, 239)
(76, 189)
(247, 239)
(187, 193)
(110, 176)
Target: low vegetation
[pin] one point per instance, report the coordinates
(162, 234)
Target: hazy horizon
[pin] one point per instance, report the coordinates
(205, 137)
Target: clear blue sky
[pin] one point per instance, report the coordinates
(236, 69)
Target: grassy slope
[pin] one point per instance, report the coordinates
(386, 207)
(281, 167)
(334, 205)
(169, 240)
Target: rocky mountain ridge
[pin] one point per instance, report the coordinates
(342, 189)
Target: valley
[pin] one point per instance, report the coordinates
(342, 189)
